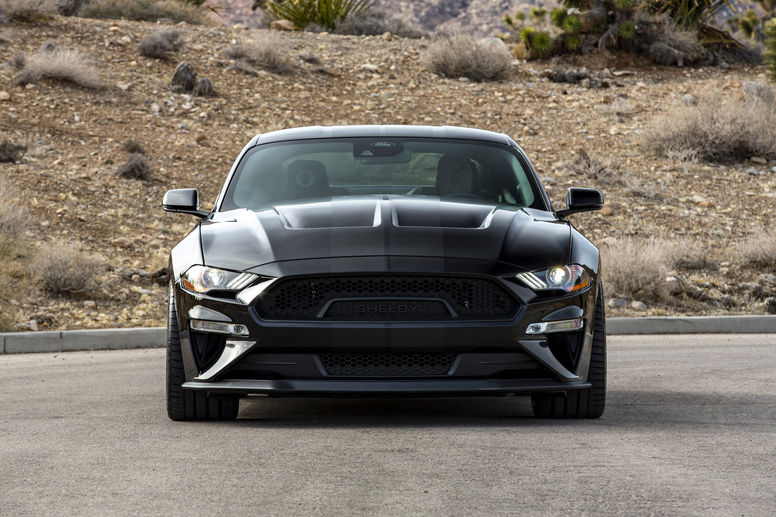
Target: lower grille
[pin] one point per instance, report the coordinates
(387, 365)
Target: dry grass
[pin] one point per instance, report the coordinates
(136, 167)
(676, 46)
(463, 55)
(204, 88)
(600, 170)
(14, 251)
(692, 255)
(70, 7)
(721, 128)
(134, 147)
(374, 22)
(267, 52)
(145, 10)
(160, 44)
(61, 65)
(17, 62)
(10, 152)
(14, 220)
(28, 10)
(759, 249)
(593, 167)
(637, 268)
(62, 269)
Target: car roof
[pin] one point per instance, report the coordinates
(387, 131)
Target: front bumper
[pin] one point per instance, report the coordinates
(283, 358)
(447, 387)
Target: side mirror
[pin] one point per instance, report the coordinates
(581, 200)
(183, 201)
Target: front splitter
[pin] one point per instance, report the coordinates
(307, 387)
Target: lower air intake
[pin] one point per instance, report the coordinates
(387, 365)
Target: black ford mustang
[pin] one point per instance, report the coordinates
(384, 260)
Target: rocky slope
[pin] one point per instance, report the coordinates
(67, 179)
(482, 17)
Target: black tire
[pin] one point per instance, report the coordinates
(589, 403)
(186, 404)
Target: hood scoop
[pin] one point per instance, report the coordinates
(325, 214)
(442, 215)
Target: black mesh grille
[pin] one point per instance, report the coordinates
(387, 365)
(386, 298)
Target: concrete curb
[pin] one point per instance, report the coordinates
(692, 325)
(70, 340)
(118, 339)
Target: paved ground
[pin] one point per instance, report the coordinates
(690, 429)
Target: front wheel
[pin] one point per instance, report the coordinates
(185, 404)
(589, 403)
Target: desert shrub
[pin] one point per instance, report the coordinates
(14, 219)
(534, 44)
(770, 48)
(571, 23)
(18, 61)
(204, 88)
(326, 13)
(538, 14)
(62, 269)
(136, 167)
(720, 128)
(462, 55)
(373, 22)
(160, 44)
(670, 32)
(759, 249)
(675, 44)
(267, 52)
(557, 16)
(134, 147)
(627, 29)
(637, 268)
(747, 23)
(70, 7)
(28, 10)
(183, 78)
(10, 152)
(754, 91)
(14, 250)
(604, 171)
(593, 166)
(692, 255)
(48, 46)
(310, 59)
(145, 10)
(60, 65)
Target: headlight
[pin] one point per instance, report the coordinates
(568, 278)
(201, 279)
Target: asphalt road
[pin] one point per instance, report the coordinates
(690, 429)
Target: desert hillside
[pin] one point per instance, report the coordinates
(702, 214)
(483, 17)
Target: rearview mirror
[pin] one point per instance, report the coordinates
(581, 200)
(183, 201)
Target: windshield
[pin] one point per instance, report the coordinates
(287, 172)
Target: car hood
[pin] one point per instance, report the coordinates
(383, 227)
